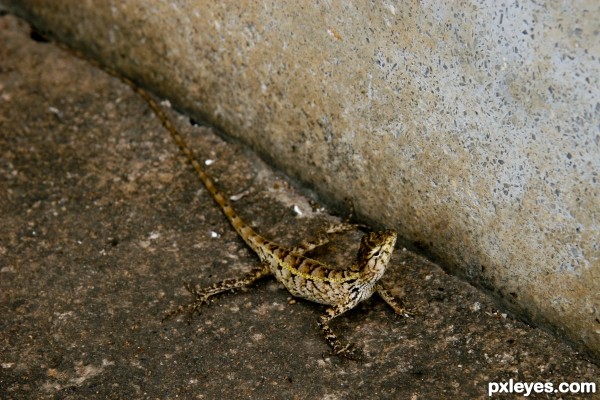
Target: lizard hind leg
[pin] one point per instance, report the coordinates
(322, 237)
(201, 296)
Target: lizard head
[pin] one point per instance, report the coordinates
(374, 254)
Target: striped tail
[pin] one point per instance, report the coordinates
(253, 239)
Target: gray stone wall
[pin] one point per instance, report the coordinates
(473, 128)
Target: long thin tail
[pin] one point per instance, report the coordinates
(253, 239)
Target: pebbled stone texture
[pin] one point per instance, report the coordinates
(471, 127)
(103, 222)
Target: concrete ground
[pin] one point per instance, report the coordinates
(103, 222)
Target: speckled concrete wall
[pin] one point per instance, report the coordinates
(473, 128)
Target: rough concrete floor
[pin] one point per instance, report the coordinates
(103, 222)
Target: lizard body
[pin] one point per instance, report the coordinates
(302, 276)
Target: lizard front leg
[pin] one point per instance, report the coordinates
(202, 295)
(339, 348)
(394, 303)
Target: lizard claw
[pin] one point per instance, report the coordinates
(408, 313)
(349, 351)
(405, 314)
(191, 308)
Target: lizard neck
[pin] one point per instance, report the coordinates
(373, 271)
(374, 254)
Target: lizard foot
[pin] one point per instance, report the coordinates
(349, 351)
(201, 297)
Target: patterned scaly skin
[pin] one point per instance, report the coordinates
(303, 277)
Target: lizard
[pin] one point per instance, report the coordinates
(339, 289)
